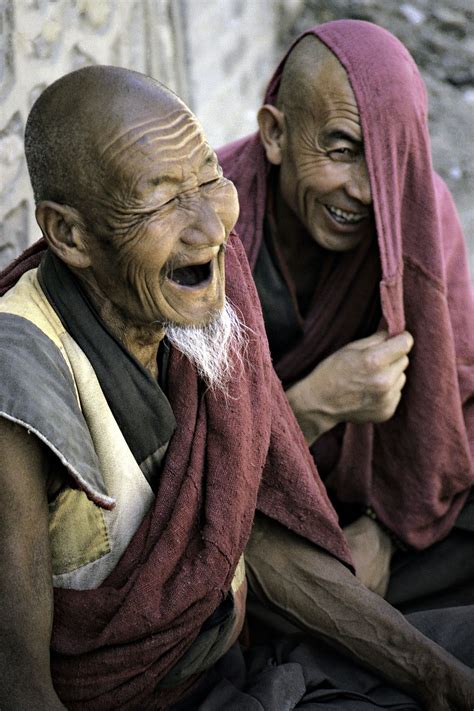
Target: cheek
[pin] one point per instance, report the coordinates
(143, 286)
(317, 184)
(331, 175)
(225, 204)
(130, 277)
(230, 213)
(136, 272)
(296, 177)
(153, 246)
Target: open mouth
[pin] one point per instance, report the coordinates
(191, 275)
(343, 217)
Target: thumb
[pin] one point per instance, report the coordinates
(374, 340)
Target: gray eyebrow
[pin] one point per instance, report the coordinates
(209, 158)
(160, 179)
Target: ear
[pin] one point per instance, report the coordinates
(271, 122)
(64, 232)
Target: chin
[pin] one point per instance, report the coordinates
(197, 317)
(337, 244)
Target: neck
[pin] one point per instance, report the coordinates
(291, 235)
(142, 340)
(300, 254)
(143, 343)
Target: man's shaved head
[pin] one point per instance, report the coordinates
(68, 127)
(302, 73)
(314, 138)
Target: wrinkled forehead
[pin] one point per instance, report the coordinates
(153, 135)
(321, 95)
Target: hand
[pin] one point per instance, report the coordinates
(361, 382)
(454, 693)
(372, 552)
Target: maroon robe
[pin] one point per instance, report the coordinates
(111, 646)
(415, 470)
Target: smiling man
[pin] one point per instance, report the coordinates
(361, 269)
(147, 445)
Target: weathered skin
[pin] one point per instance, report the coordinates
(311, 592)
(167, 206)
(319, 149)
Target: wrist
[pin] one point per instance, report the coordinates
(397, 543)
(448, 686)
(312, 418)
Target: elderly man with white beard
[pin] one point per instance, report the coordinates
(146, 440)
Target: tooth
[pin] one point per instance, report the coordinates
(346, 216)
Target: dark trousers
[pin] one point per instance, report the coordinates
(440, 576)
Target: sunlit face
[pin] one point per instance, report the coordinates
(169, 212)
(323, 173)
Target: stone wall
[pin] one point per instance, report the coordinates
(214, 54)
(231, 49)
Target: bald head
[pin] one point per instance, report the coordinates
(70, 122)
(313, 137)
(310, 65)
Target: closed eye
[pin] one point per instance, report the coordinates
(168, 202)
(212, 181)
(343, 153)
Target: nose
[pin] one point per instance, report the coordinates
(205, 228)
(358, 185)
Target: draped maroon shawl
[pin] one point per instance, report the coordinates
(416, 469)
(111, 645)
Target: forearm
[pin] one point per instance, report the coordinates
(318, 594)
(23, 685)
(304, 403)
(26, 612)
(26, 590)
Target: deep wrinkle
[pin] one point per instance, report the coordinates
(167, 207)
(323, 169)
(160, 190)
(161, 123)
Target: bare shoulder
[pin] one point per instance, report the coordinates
(26, 589)
(17, 438)
(24, 469)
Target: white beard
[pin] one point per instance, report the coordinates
(216, 350)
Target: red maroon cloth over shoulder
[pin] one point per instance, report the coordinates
(112, 645)
(416, 469)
